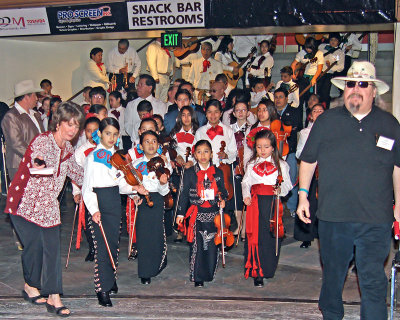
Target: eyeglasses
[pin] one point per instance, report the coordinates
(361, 84)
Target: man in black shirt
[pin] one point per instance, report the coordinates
(358, 154)
(289, 117)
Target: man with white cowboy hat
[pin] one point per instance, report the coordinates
(21, 124)
(357, 150)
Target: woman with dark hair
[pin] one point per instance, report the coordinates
(54, 103)
(37, 222)
(96, 75)
(226, 56)
(236, 95)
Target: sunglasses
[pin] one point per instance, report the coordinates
(361, 84)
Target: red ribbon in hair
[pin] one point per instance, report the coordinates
(90, 114)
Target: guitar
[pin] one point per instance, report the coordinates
(189, 46)
(234, 78)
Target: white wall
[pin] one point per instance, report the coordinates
(60, 62)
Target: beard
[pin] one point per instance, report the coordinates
(354, 107)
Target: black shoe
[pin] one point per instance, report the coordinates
(104, 299)
(90, 256)
(145, 280)
(114, 289)
(258, 282)
(305, 244)
(199, 284)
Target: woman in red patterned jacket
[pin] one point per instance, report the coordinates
(34, 209)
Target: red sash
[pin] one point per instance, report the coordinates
(252, 221)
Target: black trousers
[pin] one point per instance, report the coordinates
(111, 212)
(372, 245)
(41, 260)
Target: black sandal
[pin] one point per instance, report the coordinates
(33, 300)
(57, 311)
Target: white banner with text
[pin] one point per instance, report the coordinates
(169, 14)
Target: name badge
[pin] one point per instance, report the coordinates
(385, 143)
(208, 195)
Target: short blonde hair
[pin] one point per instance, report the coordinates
(65, 112)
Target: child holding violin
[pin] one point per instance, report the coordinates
(260, 190)
(203, 193)
(223, 144)
(266, 113)
(183, 135)
(101, 190)
(240, 126)
(150, 231)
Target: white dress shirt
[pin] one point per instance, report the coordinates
(268, 64)
(337, 55)
(226, 58)
(132, 120)
(80, 158)
(303, 136)
(312, 67)
(200, 79)
(150, 180)
(229, 138)
(116, 61)
(98, 175)
(181, 145)
(30, 114)
(121, 119)
(251, 177)
(355, 44)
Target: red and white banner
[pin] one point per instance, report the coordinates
(21, 22)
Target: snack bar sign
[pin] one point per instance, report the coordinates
(170, 14)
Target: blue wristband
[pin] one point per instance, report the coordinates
(305, 190)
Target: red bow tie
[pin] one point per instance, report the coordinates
(116, 113)
(206, 65)
(202, 173)
(215, 131)
(99, 65)
(185, 137)
(89, 151)
(264, 168)
(167, 51)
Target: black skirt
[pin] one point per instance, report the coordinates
(266, 242)
(150, 237)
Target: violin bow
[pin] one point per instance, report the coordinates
(277, 227)
(221, 214)
(130, 228)
(107, 246)
(177, 198)
(234, 188)
(72, 234)
(133, 229)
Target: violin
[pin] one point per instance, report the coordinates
(281, 132)
(158, 166)
(226, 169)
(189, 46)
(276, 224)
(239, 170)
(224, 235)
(122, 161)
(169, 145)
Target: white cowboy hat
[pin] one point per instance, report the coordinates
(25, 87)
(361, 71)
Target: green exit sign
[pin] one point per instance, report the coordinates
(171, 39)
